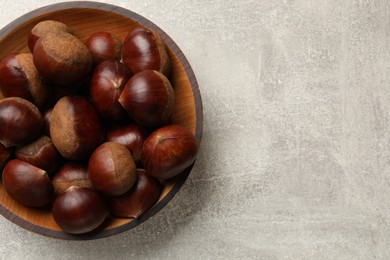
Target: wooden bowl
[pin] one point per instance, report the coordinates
(86, 18)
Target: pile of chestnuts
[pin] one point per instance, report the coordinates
(85, 125)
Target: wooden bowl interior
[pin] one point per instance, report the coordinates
(84, 22)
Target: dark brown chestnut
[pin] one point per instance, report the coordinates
(1, 95)
(104, 46)
(149, 98)
(20, 78)
(79, 210)
(41, 153)
(75, 127)
(111, 169)
(71, 174)
(46, 121)
(20, 121)
(27, 184)
(168, 151)
(44, 27)
(144, 194)
(5, 156)
(108, 80)
(130, 135)
(62, 59)
(143, 49)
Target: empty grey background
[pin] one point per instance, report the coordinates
(295, 157)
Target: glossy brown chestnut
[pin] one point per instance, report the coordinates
(144, 194)
(46, 121)
(75, 127)
(5, 156)
(168, 151)
(79, 210)
(143, 49)
(108, 80)
(149, 98)
(62, 59)
(130, 135)
(44, 27)
(104, 46)
(27, 184)
(20, 78)
(71, 174)
(20, 121)
(1, 95)
(41, 153)
(111, 169)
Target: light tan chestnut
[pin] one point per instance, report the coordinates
(75, 127)
(111, 169)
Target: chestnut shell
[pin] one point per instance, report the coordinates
(130, 135)
(27, 184)
(108, 80)
(111, 169)
(20, 121)
(143, 195)
(62, 59)
(75, 127)
(71, 174)
(104, 46)
(149, 98)
(143, 49)
(168, 151)
(79, 210)
(41, 153)
(20, 78)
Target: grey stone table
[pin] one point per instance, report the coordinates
(295, 159)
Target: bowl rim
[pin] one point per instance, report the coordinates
(198, 114)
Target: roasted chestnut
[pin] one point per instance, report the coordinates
(168, 151)
(108, 80)
(130, 135)
(62, 59)
(138, 199)
(75, 127)
(79, 210)
(20, 121)
(41, 153)
(104, 46)
(148, 97)
(20, 78)
(71, 174)
(143, 49)
(27, 184)
(111, 169)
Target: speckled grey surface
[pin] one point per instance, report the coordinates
(295, 159)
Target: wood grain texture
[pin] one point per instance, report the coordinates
(86, 18)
